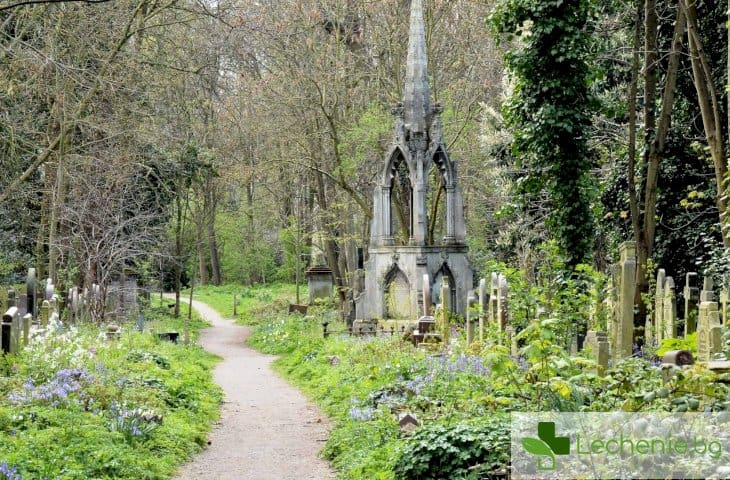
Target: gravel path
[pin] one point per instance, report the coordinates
(268, 430)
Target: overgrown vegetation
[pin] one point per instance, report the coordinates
(461, 398)
(74, 405)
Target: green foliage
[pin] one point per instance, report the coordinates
(74, 405)
(688, 343)
(550, 111)
(469, 449)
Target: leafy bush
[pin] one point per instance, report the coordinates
(467, 449)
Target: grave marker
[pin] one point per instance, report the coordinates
(691, 296)
(482, 307)
(656, 329)
(669, 323)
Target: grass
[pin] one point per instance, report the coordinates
(253, 302)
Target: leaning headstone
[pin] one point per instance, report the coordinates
(624, 334)
(31, 286)
(669, 310)
(691, 297)
(482, 307)
(656, 328)
(45, 313)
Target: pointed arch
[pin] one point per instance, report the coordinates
(397, 294)
(444, 272)
(395, 156)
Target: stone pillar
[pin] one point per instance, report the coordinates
(482, 307)
(514, 349)
(470, 302)
(708, 331)
(493, 294)
(387, 225)
(426, 295)
(657, 330)
(418, 214)
(445, 329)
(31, 289)
(669, 310)
(12, 300)
(27, 320)
(597, 343)
(45, 313)
(626, 290)
(450, 215)
(691, 296)
(502, 293)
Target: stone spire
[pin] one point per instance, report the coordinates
(417, 101)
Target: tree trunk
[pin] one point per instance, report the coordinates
(200, 247)
(655, 150)
(211, 206)
(710, 109)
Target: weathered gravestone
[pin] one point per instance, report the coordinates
(597, 344)
(31, 286)
(319, 280)
(12, 300)
(11, 331)
(470, 302)
(709, 330)
(669, 310)
(691, 297)
(656, 330)
(623, 325)
(45, 313)
(482, 307)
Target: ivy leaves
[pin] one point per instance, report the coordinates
(549, 111)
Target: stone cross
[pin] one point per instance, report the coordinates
(624, 334)
(657, 326)
(669, 310)
(426, 295)
(691, 296)
(31, 287)
(482, 307)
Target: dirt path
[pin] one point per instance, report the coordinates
(268, 430)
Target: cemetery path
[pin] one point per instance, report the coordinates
(268, 430)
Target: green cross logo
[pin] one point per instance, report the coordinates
(546, 446)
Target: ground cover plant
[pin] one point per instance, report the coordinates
(74, 405)
(461, 396)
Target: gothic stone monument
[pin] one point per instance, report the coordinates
(418, 219)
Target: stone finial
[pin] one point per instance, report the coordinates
(417, 97)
